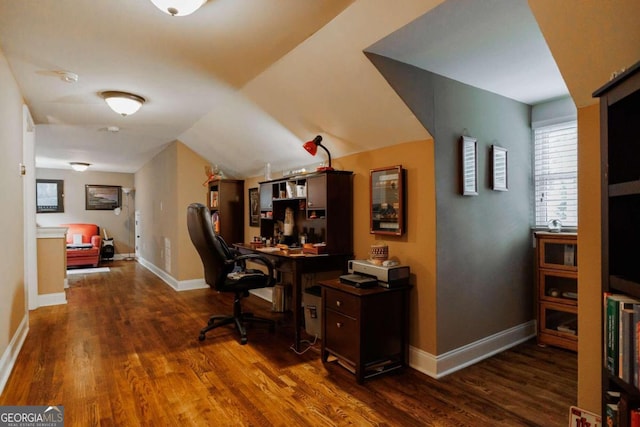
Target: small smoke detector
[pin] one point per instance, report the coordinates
(113, 129)
(67, 76)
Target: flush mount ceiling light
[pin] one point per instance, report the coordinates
(178, 7)
(123, 103)
(79, 166)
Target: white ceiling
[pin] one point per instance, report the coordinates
(246, 82)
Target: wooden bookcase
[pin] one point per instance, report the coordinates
(322, 204)
(225, 199)
(620, 160)
(557, 289)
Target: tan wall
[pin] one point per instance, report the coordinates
(191, 175)
(417, 247)
(156, 198)
(117, 226)
(165, 186)
(52, 265)
(12, 293)
(589, 260)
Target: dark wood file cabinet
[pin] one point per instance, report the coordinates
(366, 330)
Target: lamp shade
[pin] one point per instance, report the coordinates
(79, 166)
(312, 148)
(178, 7)
(123, 103)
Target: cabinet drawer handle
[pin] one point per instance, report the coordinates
(338, 304)
(339, 324)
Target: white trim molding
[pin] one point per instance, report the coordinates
(454, 360)
(51, 232)
(57, 298)
(8, 359)
(177, 285)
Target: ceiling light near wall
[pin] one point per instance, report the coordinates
(178, 7)
(79, 166)
(123, 103)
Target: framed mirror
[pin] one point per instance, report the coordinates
(387, 210)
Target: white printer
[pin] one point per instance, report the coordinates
(388, 276)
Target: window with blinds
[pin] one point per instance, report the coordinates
(556, 174)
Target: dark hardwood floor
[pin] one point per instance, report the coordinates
(124, 352)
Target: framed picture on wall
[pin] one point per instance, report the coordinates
(469, 158)
(254, 207)
(102, 197)
(49, 196)
(499, 168)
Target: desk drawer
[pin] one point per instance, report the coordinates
(342, 302)
(341, 335)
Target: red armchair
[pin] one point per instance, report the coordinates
(83, 244)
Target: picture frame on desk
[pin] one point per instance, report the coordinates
(254, 207)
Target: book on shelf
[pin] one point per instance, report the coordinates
(634, 418)
(635, 358)
(615, 343)
(569, 327)
(611, 415)
(627, 345)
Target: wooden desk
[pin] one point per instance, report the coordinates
(297, 266)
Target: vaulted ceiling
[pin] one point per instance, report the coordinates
(246, 82)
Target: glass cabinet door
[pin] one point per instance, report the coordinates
(387, 200)
(559, 254)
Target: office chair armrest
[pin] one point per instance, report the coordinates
(257, 258)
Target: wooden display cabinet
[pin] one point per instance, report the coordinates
(557, 289)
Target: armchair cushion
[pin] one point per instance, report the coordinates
(83, 244)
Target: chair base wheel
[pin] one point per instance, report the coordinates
(243, 340)
(201, 337)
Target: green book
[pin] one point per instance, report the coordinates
(615, 304)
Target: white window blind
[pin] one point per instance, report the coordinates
(556, 174)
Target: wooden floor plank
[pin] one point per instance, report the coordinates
(124, 351)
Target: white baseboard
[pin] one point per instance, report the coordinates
(177, 285)
(52, 299)
(8, 359)
(454, 360)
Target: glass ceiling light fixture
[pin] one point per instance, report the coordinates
(178, 7)
(123, 103)
(312, 148)
(79, 166)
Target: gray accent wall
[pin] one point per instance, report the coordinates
(485, 274)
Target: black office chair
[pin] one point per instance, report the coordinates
(225, 271)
